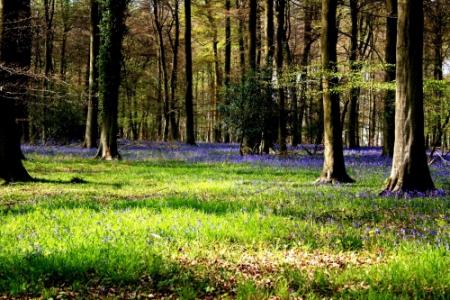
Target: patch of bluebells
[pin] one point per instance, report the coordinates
(298, 157)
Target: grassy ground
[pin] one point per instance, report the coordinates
(177, 222)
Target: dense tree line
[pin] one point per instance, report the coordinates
(261, 73)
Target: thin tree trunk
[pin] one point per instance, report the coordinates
(227, 60)
(241, 40)
(354, 92)
(190, 134)
(390, 60)
(252, 34)
(91, 133)
(174, 77)
(268, 136)
(281, 40)
(410, 171)
(334, 166)
(163, 61)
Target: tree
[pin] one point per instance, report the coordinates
(354, 92)
(390, 60)
(90, 138)
(112, 30)
(190, 134)
(227, 59)
(333, 166)
(252, 34)
(409, 165)
(281, 40)
(15, 60)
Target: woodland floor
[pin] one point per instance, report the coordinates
(202, 222)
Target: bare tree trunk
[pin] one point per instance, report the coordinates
(334, 166)
(227, 60)
(354, 92)
(15, 55)
(190, 134)
(91, 133)
(410, 171)
(390, 60)
(252, 34)
(174, 77)
(281, 40)
(241, 39)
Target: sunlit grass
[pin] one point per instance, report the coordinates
(246, 230)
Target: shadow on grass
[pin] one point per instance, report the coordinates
(97, 271)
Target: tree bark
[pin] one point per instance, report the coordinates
(227, 60)
(190, 134)
(409, 171)
(112, 29)
(174, 78)
(91, 133)
(390, 60)
(252, 34)
(334, 166)
(15, 57)
(241, 39)
(163, 61)
(281, 40)
(354, 92)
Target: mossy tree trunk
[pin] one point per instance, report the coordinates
(409, 166)
(334, 166)
(112, 30)
(15, 58)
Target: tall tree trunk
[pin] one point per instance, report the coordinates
(333, 166)
(112, 29)
(354, 92)
(91, 133)
(15, 55)
(390, 60)
(241, 39)
(163, 61)
(409, 165)
(252, 34)
(49, 12)
(227, 60)
(174, 78)
(307, 43)
(190, 134)
(268, 136)
(281, 40)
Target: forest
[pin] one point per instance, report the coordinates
(224, 149)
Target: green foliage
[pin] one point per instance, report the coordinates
(249, 106)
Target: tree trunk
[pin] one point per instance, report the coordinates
(112, 29)
(334, 166)
(252, 34)
(308, 41)
(91, 133)
(227, 60)
(174, 78)
(410, 171)
(390, 60)
(163, 61)
(281, 40)
(190, 134)
(15, 55)
(241, 39)
(354, 92)
(268, 138)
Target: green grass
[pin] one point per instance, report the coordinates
(222, 230)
